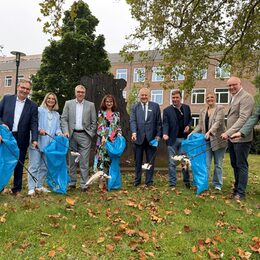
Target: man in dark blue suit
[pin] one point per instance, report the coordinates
(20, 115)
(176, 126)
(146, 125)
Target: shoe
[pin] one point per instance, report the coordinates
(136, 184)
(218, 188)
(31, 193)
(187, 185)
(16, 194)
(71, 187)
(42, 189)
(238, 197)
(84, 189)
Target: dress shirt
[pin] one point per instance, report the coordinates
(19, 105)
(79, 112)
(145, 108)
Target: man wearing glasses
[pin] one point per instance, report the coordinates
(79, 123)
(20, 115)
(241, 107)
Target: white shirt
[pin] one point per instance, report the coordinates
(146, 109)
(79, 112)
(19, 105)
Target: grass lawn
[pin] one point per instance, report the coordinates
(134, 223)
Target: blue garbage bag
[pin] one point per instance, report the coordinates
(154, 143)
(115, 150)
(57, 175)
(9, 155)
(195, 148)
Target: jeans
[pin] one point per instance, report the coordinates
(173, 150)
(238, 157)
(218, 156)
(37, 168)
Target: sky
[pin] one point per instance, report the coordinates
(20, 31)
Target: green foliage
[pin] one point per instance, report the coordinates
(255, 148)
(188, 33)
(159, 223)
(132, 97)
(256, 82)
(78, 53)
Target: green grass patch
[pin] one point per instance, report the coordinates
(134, 223)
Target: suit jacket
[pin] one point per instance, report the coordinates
(171, 124)
(150, 128)
(28, 122)
(89, 118)
(240, 110)
(251, 122)
(216, 126)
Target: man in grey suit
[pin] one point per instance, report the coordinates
(78, 122)
(146, 125)
(241, 107)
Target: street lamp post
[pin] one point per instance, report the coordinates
(18, 56)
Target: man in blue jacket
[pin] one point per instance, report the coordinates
(176, 126)
(20, 115)
(146, 125)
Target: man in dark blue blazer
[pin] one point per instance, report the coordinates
(176, 126)
(146, 125)
(20, 115)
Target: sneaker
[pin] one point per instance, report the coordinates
(218, 188)
(31, 193)
(238, 197)
(42, 189)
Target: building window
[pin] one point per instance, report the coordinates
(157, 74)
(178, 74)
(222, 72)
(8, 81)
(124, 94)
(157, 96)
(139, 74)
(198, 96)
(19, 78)
(121, 74)
(201, 74)
(222, 95)
(195, 120)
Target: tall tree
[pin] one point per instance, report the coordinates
(78, 53)
(190, 33)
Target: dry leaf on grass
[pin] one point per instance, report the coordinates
(110, 247)
(51, 253)
(2, 218)
(244, 255)
(70, 201)
(256, 245)
(212, 255)
(194, 249)
(100, 240)
(187, 211)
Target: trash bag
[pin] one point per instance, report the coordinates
(9, 155)
(57, 175)
(115, 150)
(195, 148)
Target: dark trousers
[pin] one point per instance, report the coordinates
(150, 155)
(238, 157)
(18, 170)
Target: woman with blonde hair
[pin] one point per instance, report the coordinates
(49, 122)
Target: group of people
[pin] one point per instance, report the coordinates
(35, 127)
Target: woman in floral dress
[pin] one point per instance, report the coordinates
(108, 128)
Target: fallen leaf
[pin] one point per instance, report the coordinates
(208, 241)
(110, 247)
(187, 229)
(2, 218)
(70, 201)
(41, 258)
(100, 240)
(256, 246)
(142, 255)
(24, 245)
(243, 254)
(144, 235)
(60, 249)
(133, 245)
(239, 231)
(150, 254)
(117, 238)
(187, 211)
(212, 255)
(194, 249)
(51, 253)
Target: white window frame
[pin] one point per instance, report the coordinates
(196, 95)
(201, 74)
(222, 72)
(157, 93)
(139, 75)
(195, 119)
(20, 77)
(8, 81)
(219, 94)
(121, 74)
(157, 74)
(124, 94)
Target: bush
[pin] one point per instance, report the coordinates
(255, 148)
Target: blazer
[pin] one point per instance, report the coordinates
(28, 122)
(89, 117)
(240, 110)
(150, 128)
(251, 122)
(171, 124)
(216, 126)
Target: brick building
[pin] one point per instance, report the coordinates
(136, 72)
